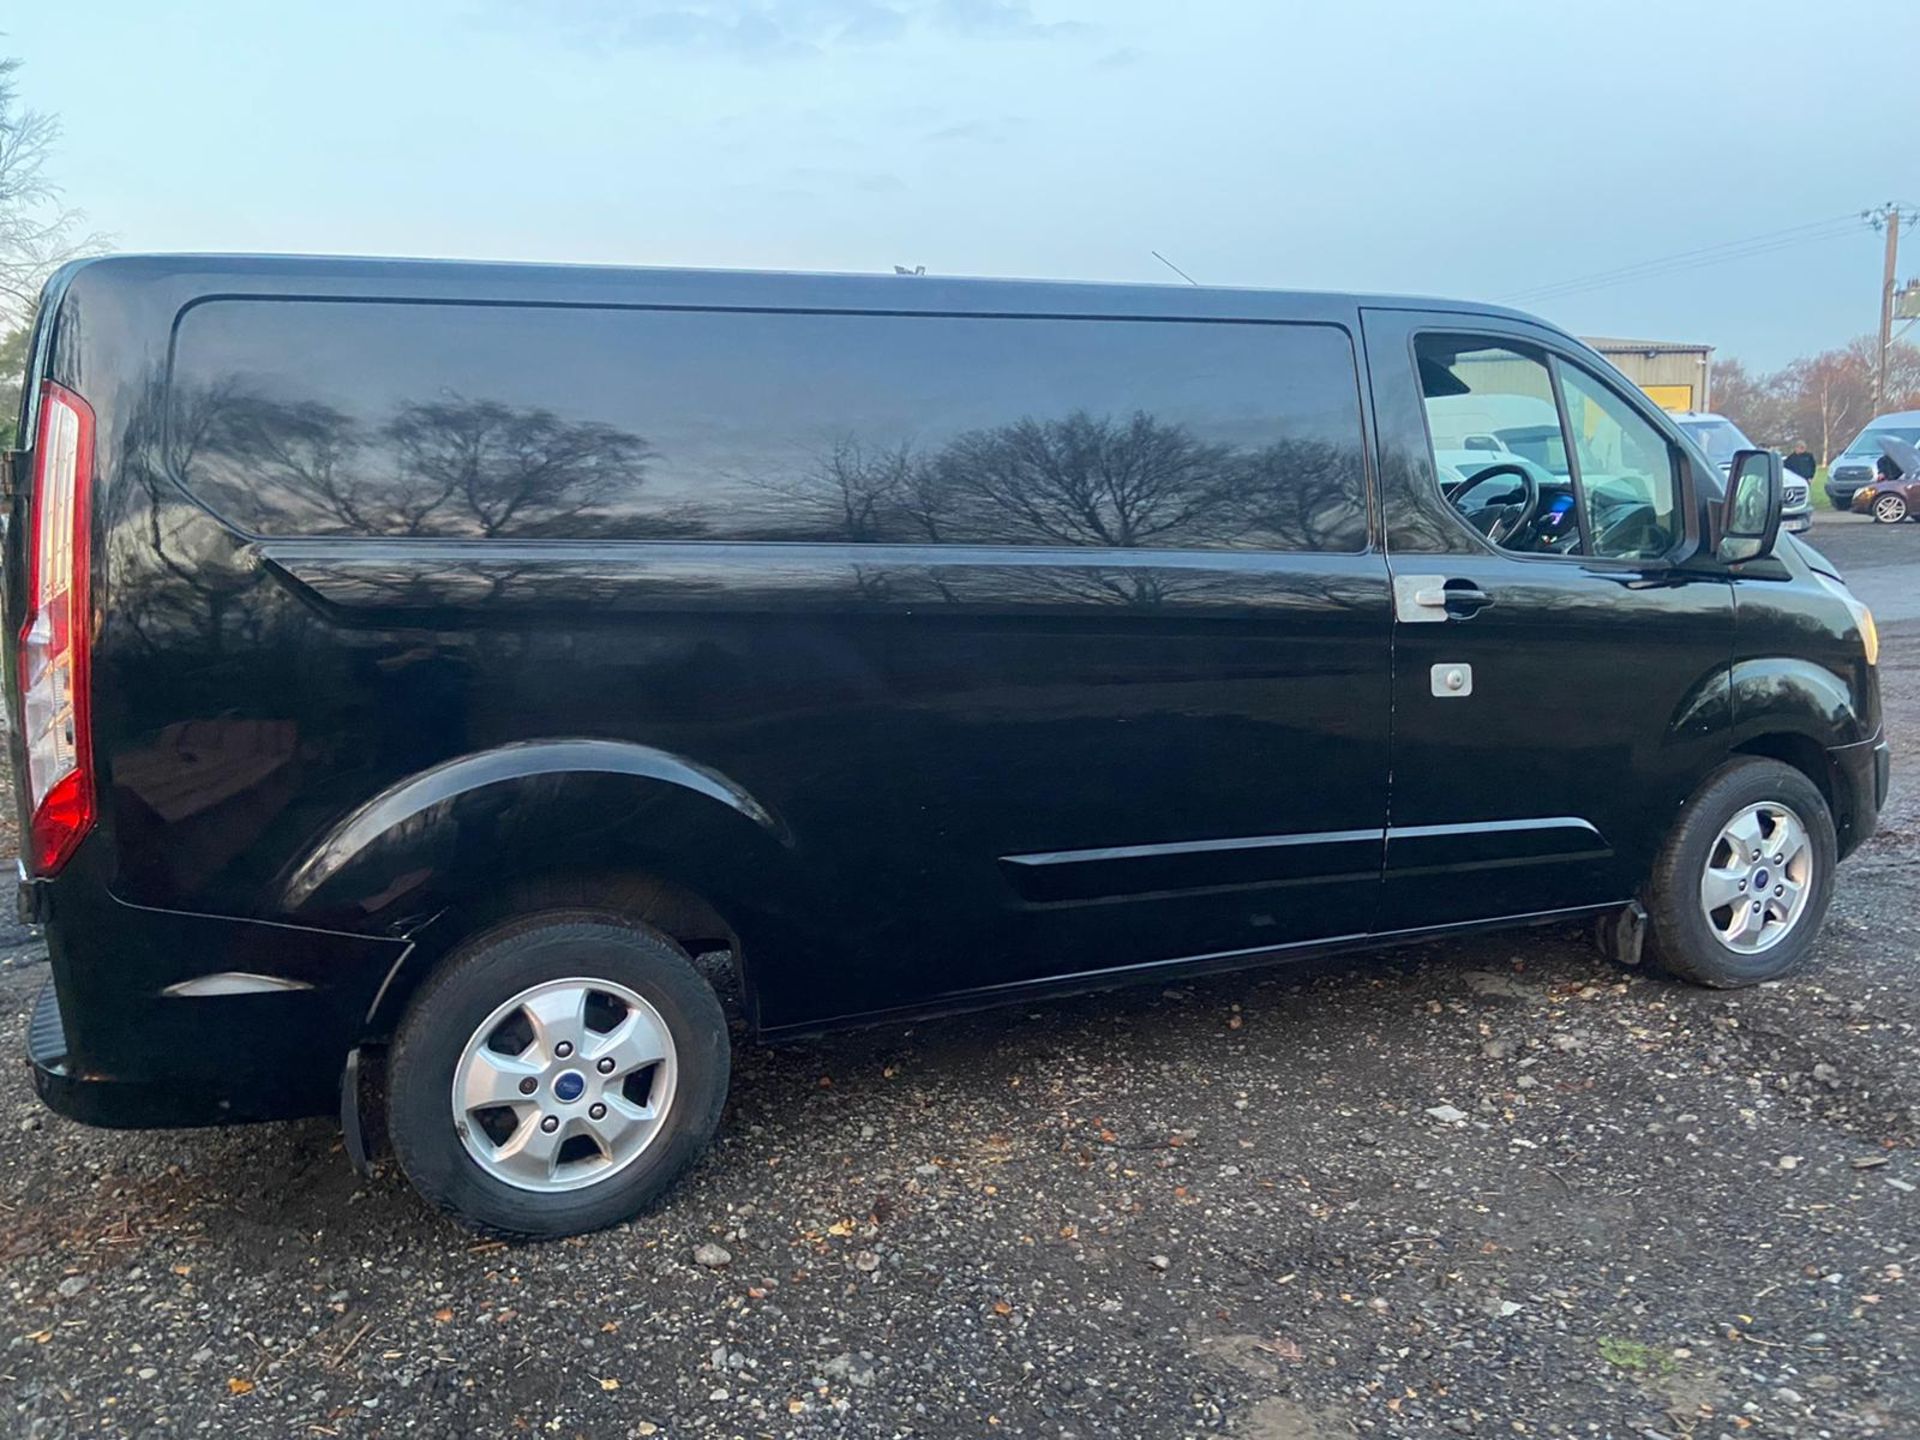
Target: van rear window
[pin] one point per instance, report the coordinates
(314, 418)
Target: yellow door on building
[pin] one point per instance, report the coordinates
(1670, 397)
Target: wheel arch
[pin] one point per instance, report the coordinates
(1805, 754)
(562, 824)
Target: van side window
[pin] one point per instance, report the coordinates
(1497, 443)
(453, 421)
(1626, 471)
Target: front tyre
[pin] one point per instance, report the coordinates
(1742, 883)
(1890, 509)
(556, 1075)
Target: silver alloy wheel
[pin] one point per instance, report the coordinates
(1889, 509)
(1758, 879)
(565, 1085)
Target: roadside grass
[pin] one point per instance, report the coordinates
(1819, 488)
(1634, 1357)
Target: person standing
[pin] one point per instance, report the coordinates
(1800, 462)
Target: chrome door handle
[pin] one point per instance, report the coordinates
(1424, 599)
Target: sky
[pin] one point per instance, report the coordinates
(1479, 149)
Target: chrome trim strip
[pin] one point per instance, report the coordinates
(232, 982)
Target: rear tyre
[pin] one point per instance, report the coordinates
(1742, 883)
(556, 1075)
(1890, 509)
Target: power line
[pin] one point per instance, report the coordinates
(1812, 230)
(1707, 262)
(1705, 252)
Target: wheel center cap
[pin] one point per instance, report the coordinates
(570, 1086)
(1760, 878)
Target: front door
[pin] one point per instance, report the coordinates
(1559, 677)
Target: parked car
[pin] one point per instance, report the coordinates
(1854, 466)
(1893, 495)
(1720, 439)
(429, 673)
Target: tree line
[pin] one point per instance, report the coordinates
(1819, 401)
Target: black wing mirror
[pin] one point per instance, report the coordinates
(1750, 516)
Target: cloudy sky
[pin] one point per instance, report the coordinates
(1493, 149)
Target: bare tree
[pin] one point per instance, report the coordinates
(37, 231)
(1828, 397)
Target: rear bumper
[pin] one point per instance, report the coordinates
(1865, 771)
(130, 1034)
(97, 1099)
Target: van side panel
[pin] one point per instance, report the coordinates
(1043, 642)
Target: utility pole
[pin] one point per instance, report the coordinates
(1887, 217)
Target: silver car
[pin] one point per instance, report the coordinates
(1718, 438)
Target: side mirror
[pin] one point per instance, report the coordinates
(1750, 516)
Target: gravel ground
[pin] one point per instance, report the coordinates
(1493, 1187)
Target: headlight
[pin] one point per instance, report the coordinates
(1862, 618)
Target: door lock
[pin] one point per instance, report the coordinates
(1451, 681)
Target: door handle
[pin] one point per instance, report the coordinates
(1421, 599)
(1463, 599)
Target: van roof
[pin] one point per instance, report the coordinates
(190, 276)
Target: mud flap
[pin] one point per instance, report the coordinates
(1622, 934)
(363, 1114)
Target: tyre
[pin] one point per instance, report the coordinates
(1890, 509)
(1741, 885)
(555, 1075)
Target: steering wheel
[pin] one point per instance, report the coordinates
(1504, 526)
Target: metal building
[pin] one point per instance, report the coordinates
(1673, 374)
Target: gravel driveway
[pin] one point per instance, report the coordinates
(1494, 1187)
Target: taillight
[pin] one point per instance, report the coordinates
(57, 636)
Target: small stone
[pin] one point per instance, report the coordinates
(1827, 1075)
(866, 1262)
(1786, 1395)
(1868, 1162)
(146, 1372)
(32, 1122)
(1566, 1043)
(72, 1286)
(1527, 1082)
(1159, 1262)
(1510, 1307)
(1446, 1114)
(716, 1395)
(1498, 1049)
(1900, 1185)
(1788, 1162)
(714, 1257)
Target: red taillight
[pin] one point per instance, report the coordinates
(57, 635)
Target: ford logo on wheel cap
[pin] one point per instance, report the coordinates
(570, 1086)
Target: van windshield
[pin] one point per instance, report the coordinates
(1718, 438)
(1867, 446)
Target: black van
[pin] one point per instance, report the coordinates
(419, 664)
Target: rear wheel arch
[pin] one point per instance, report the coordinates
(642, 898)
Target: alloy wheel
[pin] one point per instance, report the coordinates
(1758, 878)
(564, 1085)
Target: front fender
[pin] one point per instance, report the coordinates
(542, 806)
(1777, 694)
